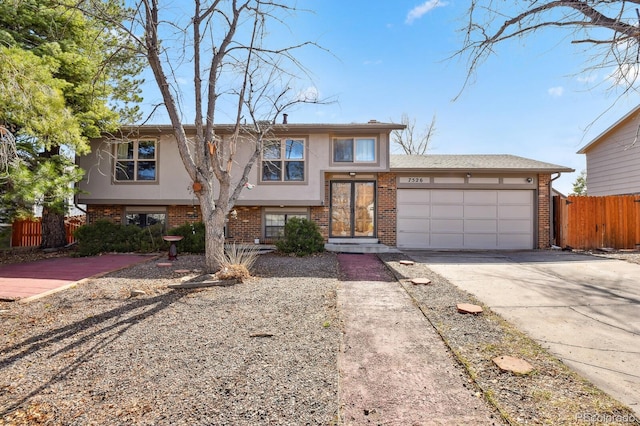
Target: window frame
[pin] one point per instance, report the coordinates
(354, 150)
(150, 210)
(286, 213)
(135, 160)
(282, 160)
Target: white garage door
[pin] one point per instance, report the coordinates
(465, 219)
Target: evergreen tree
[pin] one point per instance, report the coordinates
(580, 185)
(64, 78)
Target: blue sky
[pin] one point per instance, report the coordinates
(392, 57)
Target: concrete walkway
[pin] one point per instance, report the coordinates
(26, 281)
(584, 309)
(394, 367)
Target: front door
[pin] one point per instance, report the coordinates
(353, 209)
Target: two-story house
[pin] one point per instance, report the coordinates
(613, 158)
(342, 177)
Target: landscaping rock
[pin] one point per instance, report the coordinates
(514, 365)
(423, 281)
(468, 308)
(136, 292)
(407, 262)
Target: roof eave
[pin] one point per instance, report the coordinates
(482, 170)
(595, 141)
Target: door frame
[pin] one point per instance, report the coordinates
(353, 207)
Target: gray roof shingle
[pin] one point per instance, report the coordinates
(503, 162)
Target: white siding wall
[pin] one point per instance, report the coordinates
(613, 165)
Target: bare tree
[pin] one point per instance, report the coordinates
(412, 142)
(608, 30)
(235, 73)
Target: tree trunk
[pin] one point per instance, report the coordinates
(213, 219)
(54, 234)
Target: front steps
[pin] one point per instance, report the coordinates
(357, 245)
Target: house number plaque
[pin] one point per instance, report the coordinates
(413, 179)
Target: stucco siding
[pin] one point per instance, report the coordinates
(613, 166)
(173, 185)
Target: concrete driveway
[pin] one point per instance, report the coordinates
(584, 309)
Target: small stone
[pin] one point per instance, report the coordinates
(468, 308)
(417, 281)
(137, 292)
(515, 365)
(407, 262)
(182, 271)
(164, 264)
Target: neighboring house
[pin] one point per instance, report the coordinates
(613, 158)
(342, 177)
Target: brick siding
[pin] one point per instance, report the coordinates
(247, 225)
(387, 212)
(544, 211)
(112, 213)
(179, 215)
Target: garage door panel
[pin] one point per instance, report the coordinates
(481, 197)
(465, 219)
(447, 211)
(448, 197)
(413, 224)
(415, 196)
(447, 241)
(514, 226)
(515, 212)
(514, 241)
(413, 240)
(480, 241)
(448, 225)
(515, 197)
(480, 212)
(481, 226)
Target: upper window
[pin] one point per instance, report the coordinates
(354, 150)
(136, 161)
(283, 160)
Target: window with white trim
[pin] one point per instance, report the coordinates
(283, 160)
(136, 161)
(354, 150)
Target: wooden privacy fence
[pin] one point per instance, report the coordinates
(28, 233)
(586, 223)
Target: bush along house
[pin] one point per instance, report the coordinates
(342, 177)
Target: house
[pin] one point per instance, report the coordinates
(342, 177)
(613, 158)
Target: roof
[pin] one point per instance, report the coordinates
(629, 116)
(374, 125)
(510, 163)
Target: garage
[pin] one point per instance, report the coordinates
(465, 218)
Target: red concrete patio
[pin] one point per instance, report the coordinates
(23, 281)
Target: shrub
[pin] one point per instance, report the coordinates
(193, 241)
(104, 236)
(302, 237)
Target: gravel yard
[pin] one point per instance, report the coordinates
(259, 352)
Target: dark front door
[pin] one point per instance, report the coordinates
(353, 209)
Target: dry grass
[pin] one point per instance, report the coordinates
(236, 262)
